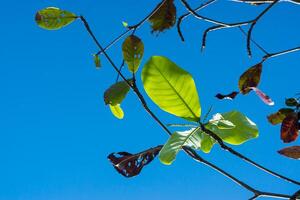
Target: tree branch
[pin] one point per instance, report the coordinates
(187, 150)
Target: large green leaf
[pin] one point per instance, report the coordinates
(52, 18)
(133, 51)
(194, 138)
(244, 129)
(171, 88)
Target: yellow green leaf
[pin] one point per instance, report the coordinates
(171, 88)
(117, 111)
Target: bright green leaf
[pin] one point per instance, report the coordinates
(52, 18)
(116, 93)
(133, 51)
(117, 111)
(125, 24)
(97, 61)
(193, 138)
(219, 121)
(171, 88)
(243, 130)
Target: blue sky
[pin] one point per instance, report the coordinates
(56, 131)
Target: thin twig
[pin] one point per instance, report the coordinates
(254, 23)
(131, 28)
(182, 17)
(239, 155)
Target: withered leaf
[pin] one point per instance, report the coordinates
(291, 152)
(230, 96)
(289, 128)
(130, 165)
(164, 17)
(278, 117)
(250, 78)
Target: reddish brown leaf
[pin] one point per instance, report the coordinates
(289, 128)
(250, 78)
(291, 152)
(230, 96)
(130, 165)
(164, 18)
(265, 98)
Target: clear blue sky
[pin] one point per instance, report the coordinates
(56, 131)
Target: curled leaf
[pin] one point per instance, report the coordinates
(164, 17)
(52, 18)
(265, 98)
(250, 78)
(289, 128)
(230, 96)
(97, 61)
(291, 152)
(133, 51)
(194, 138)
(130, 165)
(279, 116)
(117, 111)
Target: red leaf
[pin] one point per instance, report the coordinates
(291, 152)
(265, 98)
(289, 128)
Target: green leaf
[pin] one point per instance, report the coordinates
(194, 138)
(97, 61)
(116, 93)
(244, 129)
(52, 18)
(117, 111)
(219, 121)
(133, 51)
(125, 24)
(250, 78)
(164, 17)
(291, 102)
(171, 88)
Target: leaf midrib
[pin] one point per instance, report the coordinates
(196, 117)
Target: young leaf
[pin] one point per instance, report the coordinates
(130, 165)
(265, 98)
(289, 128)
(171, 88)
(244, 129)
(133, 51)
(52, 18)
(291, 152)
(194, 138)
(230, 96)
(116, 93)
(97, 61)
(117, 111)
(250, 78)
(279, 116)
(164, 18)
